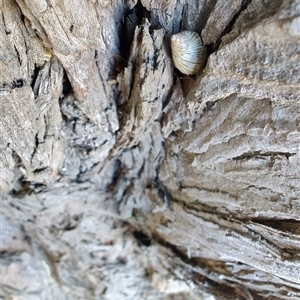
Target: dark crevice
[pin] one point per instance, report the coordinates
(84, 147)
(18, 83)
(260, 154)
(67, 87)
(18, 56)
(36, 171)
(213, 47)
(21, 186)
(23, 18)
(15, 84)
(284, 228)
(17, 159)
(208, 106)
(36, 146)
(117, 172)
(46, 136)
(162, 191)
(127, 191)
(142, 238)
(131, 19)
(34, 77)
(286, 225)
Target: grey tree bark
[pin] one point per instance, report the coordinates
(123, 179)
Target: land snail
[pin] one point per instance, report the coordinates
(188, 52)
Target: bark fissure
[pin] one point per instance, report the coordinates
(120, 180)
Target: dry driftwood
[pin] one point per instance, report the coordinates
(122, 179)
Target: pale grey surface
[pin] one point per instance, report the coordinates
(96, 145)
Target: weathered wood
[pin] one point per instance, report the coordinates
(121, 179)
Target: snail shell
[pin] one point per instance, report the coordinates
(188, 52)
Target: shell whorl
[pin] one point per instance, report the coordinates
(188, 52)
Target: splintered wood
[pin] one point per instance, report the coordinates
(122, 179)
